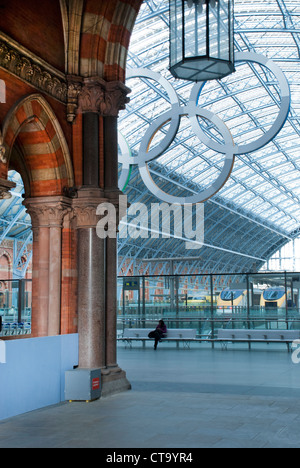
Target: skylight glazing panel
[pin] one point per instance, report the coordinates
(248, 102)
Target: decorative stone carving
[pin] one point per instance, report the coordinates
(85, 207)
(74, 89)
(3, 157)
(92, 95)
(105, 98)
(86, 216)
(81, 95)
(17, 60)
(5, 187)
(116, 98)
(47, 211)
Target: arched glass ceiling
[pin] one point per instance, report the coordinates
(15, 223)
(264, 185)
(286, 259)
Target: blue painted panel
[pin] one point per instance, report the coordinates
(34, 373)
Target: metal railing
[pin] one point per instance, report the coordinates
(15, 307)
(207, 326)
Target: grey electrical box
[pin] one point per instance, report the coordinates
(83, 384)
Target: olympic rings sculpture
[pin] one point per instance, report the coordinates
(192, 110)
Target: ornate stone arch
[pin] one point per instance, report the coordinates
(105, 36)
(33, 124)
(4, 253)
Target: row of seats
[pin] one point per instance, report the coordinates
(259, 335)
(223, 336)
(252, 336)
(10, 329)
(184, 335)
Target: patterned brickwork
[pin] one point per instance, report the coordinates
(106, 31)
(33, 125)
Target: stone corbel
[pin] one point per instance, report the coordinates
(75, 84)
(3, 156)
(5, 187)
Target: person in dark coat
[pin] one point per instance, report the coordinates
(159, 333)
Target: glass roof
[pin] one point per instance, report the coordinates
(264, 183)
(15, 222)
(258, 209)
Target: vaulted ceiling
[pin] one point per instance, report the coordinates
(258, 209)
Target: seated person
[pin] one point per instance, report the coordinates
(159, 333)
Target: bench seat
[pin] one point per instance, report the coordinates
(184, 335)
(257, 336)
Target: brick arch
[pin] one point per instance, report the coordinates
(106, 31)
(7, 266)
(32, 124)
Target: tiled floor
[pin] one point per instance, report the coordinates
(180, 399)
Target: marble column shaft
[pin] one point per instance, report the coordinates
(91, 280)
(99, 102)
(112, 192)
(47, 214)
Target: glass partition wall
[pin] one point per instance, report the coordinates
(15, 307)
(205, 302)
(209, 302)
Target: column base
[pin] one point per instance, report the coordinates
(114, 381)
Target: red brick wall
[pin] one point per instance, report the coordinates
(37, 25)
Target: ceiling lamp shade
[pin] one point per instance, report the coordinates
(201, 39)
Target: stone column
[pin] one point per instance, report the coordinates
(47, 215)
(112, 192)
(116, 98)
(111, 305)
(91, 280)
(97, 268)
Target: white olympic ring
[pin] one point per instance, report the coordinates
(193, 111)
(285, 105)
(125, 158)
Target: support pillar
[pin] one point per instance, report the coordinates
(111, 305)
(91, 280)
(112, 193)
(47, 214)
(99, 103)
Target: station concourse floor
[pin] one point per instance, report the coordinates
(196, 398)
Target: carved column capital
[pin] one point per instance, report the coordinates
(47, 211)
(116, 98)
(85, 207)
(92, 95)
(104, 98)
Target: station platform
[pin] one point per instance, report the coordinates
(196, 398)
